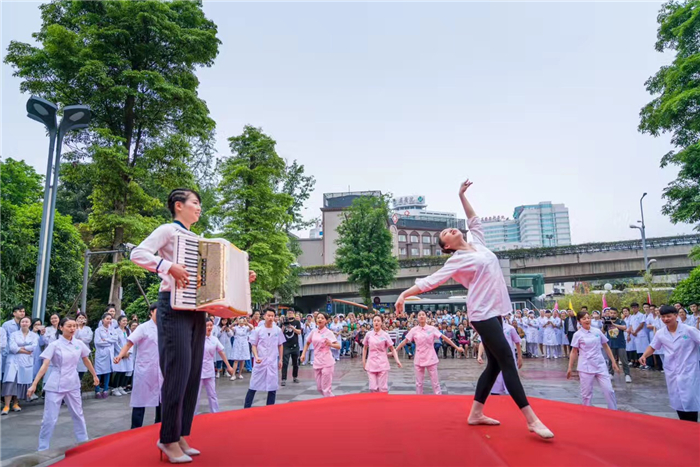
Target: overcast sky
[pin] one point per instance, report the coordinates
(532, 101)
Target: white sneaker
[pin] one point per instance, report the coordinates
(116, 392)
(218, 375)
(240, 376)
(628, 379)
(34, 397)
(233, 378)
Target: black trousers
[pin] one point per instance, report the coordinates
(570, 336)
(500, 359)
(688, 416)
(137, 414)
(445, 347)
(294, 354)
(181, 335)
(117, 380)
(250, 395)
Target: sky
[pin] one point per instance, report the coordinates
(531, 101)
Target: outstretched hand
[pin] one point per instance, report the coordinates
(463, 187)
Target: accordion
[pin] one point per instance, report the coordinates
(218, 277)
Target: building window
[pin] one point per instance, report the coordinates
(402, 251)
(402, 238)
(414, 238)
(426, 239)
(438, 252)
(414, 252)
(426, 251)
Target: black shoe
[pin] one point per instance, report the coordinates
(284, 383)
(296, 380)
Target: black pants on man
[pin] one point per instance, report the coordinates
(294, 354)
(688, 416)
(137, 414)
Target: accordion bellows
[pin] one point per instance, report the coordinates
(218, 273)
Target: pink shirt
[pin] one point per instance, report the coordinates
(377, 344)
(322, 351)
(424, 339)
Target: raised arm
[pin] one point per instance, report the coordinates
(468, 209)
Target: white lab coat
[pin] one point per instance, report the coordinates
(104, 349)
(21, 366)
(85, 335)
(3, 347)
(266, 374)
(681, 366)
(50, 335)
(307, 330)
(125, 364)
(148, 378)
(241, 350)
(532, 330)
(225, 339)
(550, 332)
(9, 327)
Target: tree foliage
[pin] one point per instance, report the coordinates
(676, 107)
(19, 244)
(134, 64)
(688, 290)
(252, 210)
(365, 245)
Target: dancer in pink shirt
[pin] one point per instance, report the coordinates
(376, 343)
(426, 358)
(323, 340)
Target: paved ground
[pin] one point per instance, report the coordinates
(542, 378)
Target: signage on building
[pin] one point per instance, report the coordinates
(409, 200)
(395, 218)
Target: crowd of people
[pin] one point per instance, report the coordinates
(167, 361)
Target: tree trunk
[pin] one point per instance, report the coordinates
(365, 291)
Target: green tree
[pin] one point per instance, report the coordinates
(365, 246)
(688, 290)
(253, 212)
(134, 64)
(19, 244)
(19, 183)
(674, 109)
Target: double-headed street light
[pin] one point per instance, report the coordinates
(75, 117)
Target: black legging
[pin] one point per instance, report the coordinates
(500, 359)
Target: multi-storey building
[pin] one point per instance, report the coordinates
(535, 225)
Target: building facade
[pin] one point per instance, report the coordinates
(534, 225)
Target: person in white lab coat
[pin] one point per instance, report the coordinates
(225, 328)
(104, 339)
(531, 333)
(241, 349)
(20, 365)
(118, 380)
(586, 348)
(267, 344)
(212, 346)
(85, 334)
(148, 378)
(550, 334)
(63, 383)
(680, 344)
(10, 326)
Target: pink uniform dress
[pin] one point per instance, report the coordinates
(323, 359)
(377, 361)
(426, 358)
(591, 365)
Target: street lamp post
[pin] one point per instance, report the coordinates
(642, 229)
(74, 117)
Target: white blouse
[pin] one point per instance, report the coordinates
(161, 242)
(478, 271)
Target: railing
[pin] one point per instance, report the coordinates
(625, 245)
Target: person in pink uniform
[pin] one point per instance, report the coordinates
(323, 340)
(426, 357)
(376, 343)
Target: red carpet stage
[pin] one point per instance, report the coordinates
(398, 430)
